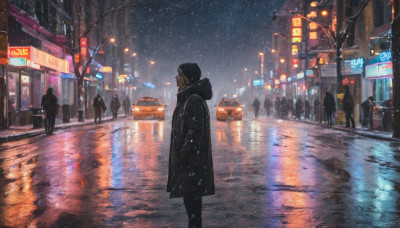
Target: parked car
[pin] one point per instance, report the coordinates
(229, 109)
(148, 108)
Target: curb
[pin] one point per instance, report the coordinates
(41, 130)
(350, 130)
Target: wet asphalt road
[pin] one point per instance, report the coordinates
(268, 173)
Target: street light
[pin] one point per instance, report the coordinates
(282, 60)
(262, 63)
(112, 40)
(134, 54)
(126, 50)
(152, 62)
(324, 13)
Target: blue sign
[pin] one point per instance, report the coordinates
(68, 76)
(258, 82)
(148, 84)
(385, 56)
(99, 76)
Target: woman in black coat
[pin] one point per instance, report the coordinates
(190, 171)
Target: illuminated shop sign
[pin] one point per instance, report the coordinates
(17, 61)
(19, 52)
(379, 70)
(106, 69)
(385, 56)
(300, 75)
(31, 64)
(354, 66)
(258, 82)
(99, 76)
(38, 57)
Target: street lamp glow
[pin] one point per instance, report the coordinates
(324, 13)
(245, 69)
(112, 40)
(134, 54)
(260, 53)
(152, 62)
(273, 50)
(126, 49)
(282, 60)
(314, 4)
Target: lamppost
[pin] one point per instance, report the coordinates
(262, 64)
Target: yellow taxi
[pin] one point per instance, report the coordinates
(148, 108)
(229, 109)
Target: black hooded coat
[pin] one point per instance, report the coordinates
(190, 171)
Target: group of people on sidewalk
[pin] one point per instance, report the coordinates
(100, 107)
(50, 106)
(283, 106)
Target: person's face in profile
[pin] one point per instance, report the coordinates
(179, 79)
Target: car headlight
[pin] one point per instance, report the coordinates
(160, 109)
(239, 109)
(137, 109)
(220, 109)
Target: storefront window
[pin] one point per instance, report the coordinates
(12, 89)
(25, 91)
(382, 89)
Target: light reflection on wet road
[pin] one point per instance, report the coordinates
(268, 173)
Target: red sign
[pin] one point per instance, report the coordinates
(83, 42)
(19, 52)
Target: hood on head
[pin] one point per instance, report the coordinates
(202, 88)
(49, 91)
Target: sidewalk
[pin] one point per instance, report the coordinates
(19, 132)
(382, 135)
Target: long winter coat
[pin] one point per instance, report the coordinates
(348, 104)
(190, 171)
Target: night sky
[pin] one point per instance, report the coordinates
(222, 36)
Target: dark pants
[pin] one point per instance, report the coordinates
(328, 119)
(97, 114)
(268, 111)
(256, 112)
(349, 118)
(115, 115)
(127, 112)
(49, 123)
(193, 207)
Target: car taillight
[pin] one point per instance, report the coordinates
(239, 109)
(160, 109)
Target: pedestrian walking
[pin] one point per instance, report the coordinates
(50, 107)
(267, 106)
(307, 110)
(316, 109)
(114, 106)
(99, 108)
(290, 106)
(127, 106)
(190, 171)
(368, 110)
(277, 107)
(256, 106)
(329, 108)
(284, 107)
(348, 107)
(299, 108)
